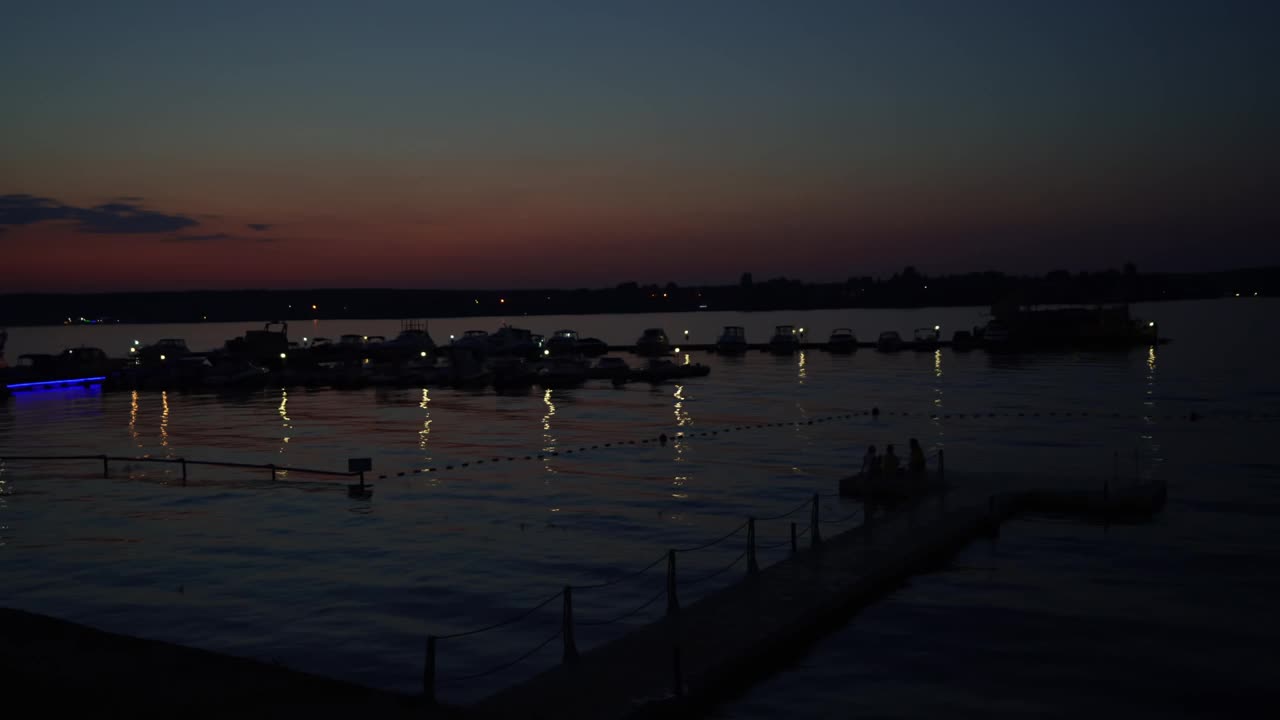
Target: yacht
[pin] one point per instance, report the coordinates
(889, 341)
(784, 341)
(653, 342)
(733, 341)
(842, 340)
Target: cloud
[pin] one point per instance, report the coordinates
(218, 237)
(198, 238)
(113, 218)
(258, 226)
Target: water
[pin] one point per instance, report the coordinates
(295, 572)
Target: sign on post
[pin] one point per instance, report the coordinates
(355, 465)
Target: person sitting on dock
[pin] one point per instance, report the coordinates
(870, 464)
(889, 462)
(915, 462)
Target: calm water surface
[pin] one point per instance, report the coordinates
(295, 572)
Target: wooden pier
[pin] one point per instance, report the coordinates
(722, 644)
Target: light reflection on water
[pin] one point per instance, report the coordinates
(279, 570)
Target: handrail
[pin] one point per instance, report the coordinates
(182, 461)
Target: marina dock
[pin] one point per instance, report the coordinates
(680, 665)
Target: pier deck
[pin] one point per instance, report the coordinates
(732, 638)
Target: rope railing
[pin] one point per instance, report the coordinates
(627, 614)
(717, 541)
(453, 680)
(502, 623)
(716, 573)
(624, 578)
(106, 460)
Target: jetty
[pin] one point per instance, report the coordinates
(719, 646)
(692, 658)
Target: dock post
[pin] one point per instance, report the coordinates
(752, 566)
(105, 471)
(429, 672)
(570, 647)
(273, 470)
(794, 549)
(673, 603)
(813, 523)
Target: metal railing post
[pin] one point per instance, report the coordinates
(752, 566)
(673, 603)
(429, 672)
(570, 647)
(813, 523)
(273, 470)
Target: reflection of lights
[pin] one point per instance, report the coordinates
(425, 432)
(551, 410)
(682, 418)
(686, 359)
(1151, 361)
(285, 421)
(164, 418)
(133, 417)
(937, 363)
(801, 370)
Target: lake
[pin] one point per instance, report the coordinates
(294, 571)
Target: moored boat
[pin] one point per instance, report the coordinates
(732, 341)
(889, 341)
(842, 340)
(785, 341)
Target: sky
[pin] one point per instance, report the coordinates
(494, 144)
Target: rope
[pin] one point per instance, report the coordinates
(789, 513)
(504, 666)
(624, 616)
(717, 572)
(772, 546)
(500, 623)
(717, 541)
(628, 576)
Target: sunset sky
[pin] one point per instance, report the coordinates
(170, 145)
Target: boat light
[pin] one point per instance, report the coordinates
(304, 339)
(47, 383)
(423, 353)
(162, 357)
(283, 356)
(1151, 324)
(677, 349)
(133, 350)
(313, 307)
(936, 328)
(546, 352)
(135, 342)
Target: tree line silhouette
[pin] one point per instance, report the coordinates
(905, 289)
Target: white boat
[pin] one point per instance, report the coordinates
(785, 340)
(842, 340)
(733, 341)
(889, 341)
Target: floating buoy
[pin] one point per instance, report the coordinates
(662, 438)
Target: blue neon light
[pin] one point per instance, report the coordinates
(47, 383)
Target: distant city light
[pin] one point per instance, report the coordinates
(502, 300)
(313, 307)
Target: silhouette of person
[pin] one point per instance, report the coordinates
(870, 464)
(916, 459)
(889, 462)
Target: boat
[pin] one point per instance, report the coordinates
(660, 370)
(1061, 327)
(268, 347)
(73, 366)
(592, 347)
(514, 341)
(962, 341)
(561, 343)
(926, 338)
(889, 341)
(511, 374)
(477, 339)
(785, 341)
(842, 340)
(609, 368)
(653, 342)
(733, 341)
(164, 350)
(561, 372)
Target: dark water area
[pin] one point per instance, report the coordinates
(1053, 618)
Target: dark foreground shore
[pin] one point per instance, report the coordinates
(53, 664)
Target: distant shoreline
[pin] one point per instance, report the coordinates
(905, 290)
